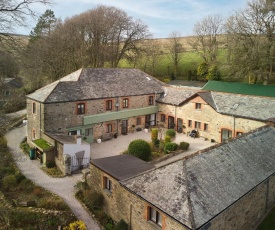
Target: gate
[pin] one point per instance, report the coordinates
(78, 163)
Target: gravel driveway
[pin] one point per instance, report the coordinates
(64, 187)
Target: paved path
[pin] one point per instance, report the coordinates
(64, 187)
(117, 146)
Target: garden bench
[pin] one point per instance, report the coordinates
(107, 136)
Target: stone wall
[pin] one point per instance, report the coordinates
(35, 120)
(248, 211)
(207, 115)
(122, 204)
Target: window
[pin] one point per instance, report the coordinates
(34, 107)
(151, 100)
(88, 132)
(197, 125)
(125, 103)
(73, 132)
(198, 105)
(107, 183)
(138, 121)
(109, 128)
(205, 128)
(190, 123)
(155, 216)
(80, 108)
(226, 134)
(162, 118)
(109, 105)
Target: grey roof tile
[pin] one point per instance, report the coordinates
(122, 166)
(177, 95)
(166, 189)
(195, 190)
(259, 108)
(96, 83)
(222, 175)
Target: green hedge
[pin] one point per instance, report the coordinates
(184, 145)
(154, 135)
(171, 133)
(141, 149)
(170, 147)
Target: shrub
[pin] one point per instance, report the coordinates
(76, 225)
(19, 177)
(50, 164)
(171, 133)
(141, 149)
(167, 139)
(9, 182)
(154, 135)
(121, 225)
(157, 143)
(170, 147)
(37, 191)
(93, 200)
(184, 145)
(53, 204)
(26, 184)
(3, 144)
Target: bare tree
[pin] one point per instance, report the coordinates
(14, 13)
(206, 34)
(150, 56)
(251, 41)
(175, 50)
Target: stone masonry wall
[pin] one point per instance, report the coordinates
(122, 204)
(207, 115)
(59, 116)
(35, 120)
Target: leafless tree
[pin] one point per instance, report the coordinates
(251, 41)
(205, 41)
(175, 49)
(14, 13)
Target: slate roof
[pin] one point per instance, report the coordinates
(258, 108)
(94, 83)
(241, 88)
(64, 139)
(177, 95)
(195, 190)
(122, 166)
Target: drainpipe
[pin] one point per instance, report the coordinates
(117, 109)
(234, 126)
(40, 130)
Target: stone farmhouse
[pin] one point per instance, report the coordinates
(99, 104)
(227, 186)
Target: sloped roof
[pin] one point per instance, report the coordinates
(65, 139)
(94, 83)
(195, 190)
(177, 95)
(122, 166)
(259, 108)
(240, 88)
